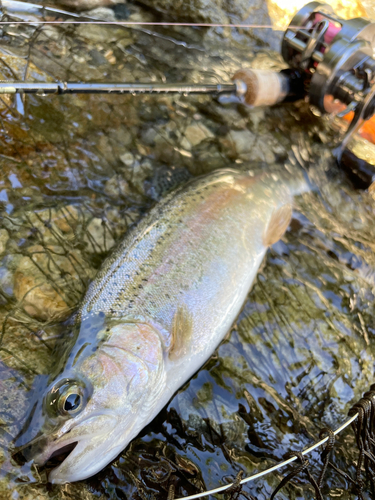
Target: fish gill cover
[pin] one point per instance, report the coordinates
(78, 171)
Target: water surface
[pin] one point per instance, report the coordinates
(77, 171)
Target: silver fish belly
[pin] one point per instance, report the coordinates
(157, 310)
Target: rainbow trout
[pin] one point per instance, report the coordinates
(157, 310)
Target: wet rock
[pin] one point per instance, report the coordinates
(195, 134)
(4, 237)
(50, 224)
(193, 10)
(207, 158)
(247, 146)
(67, 218)
(127, 159)
(113, 145)
(117, 187)
(136, 173)
(98, 236)
(241, 140)
(87, 4)
(102, 13)
(212, 11)
(48, 282)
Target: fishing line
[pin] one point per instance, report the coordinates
(13, 6)
(150, 23)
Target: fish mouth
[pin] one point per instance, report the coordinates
(78, 453)
(26, 453)
(58, 456)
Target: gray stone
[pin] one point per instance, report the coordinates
(127, 159)
(102, 13)
(4, 237)
(242, 140)
(87, 4)
(117, 186)
(196, 133)
(98, 237)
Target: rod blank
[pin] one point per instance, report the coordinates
(115, 88)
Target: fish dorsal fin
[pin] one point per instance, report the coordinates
(182, 328)
(277, 225)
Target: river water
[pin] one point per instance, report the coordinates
(77, 171)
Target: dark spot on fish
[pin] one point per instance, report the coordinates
(80, 352)
(101, 314)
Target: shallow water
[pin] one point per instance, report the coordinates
(77, 171)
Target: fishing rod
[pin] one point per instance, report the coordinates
(331, 65)
(119, 88)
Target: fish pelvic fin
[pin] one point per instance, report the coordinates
(182, 329)
(277, 225)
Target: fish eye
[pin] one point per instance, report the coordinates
(66, 398)
(70, 401)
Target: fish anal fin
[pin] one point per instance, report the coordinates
(277, 225)
(182, 328)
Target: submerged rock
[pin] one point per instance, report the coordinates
(195, 134)
(43, 278)
(98, 237)
(4, 237)
(88, 4)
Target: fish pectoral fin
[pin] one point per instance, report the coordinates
(182, 328)
(277, 225)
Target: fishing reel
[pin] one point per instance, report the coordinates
(335, 58)
(332, 65)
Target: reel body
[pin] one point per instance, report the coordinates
(336, 58)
